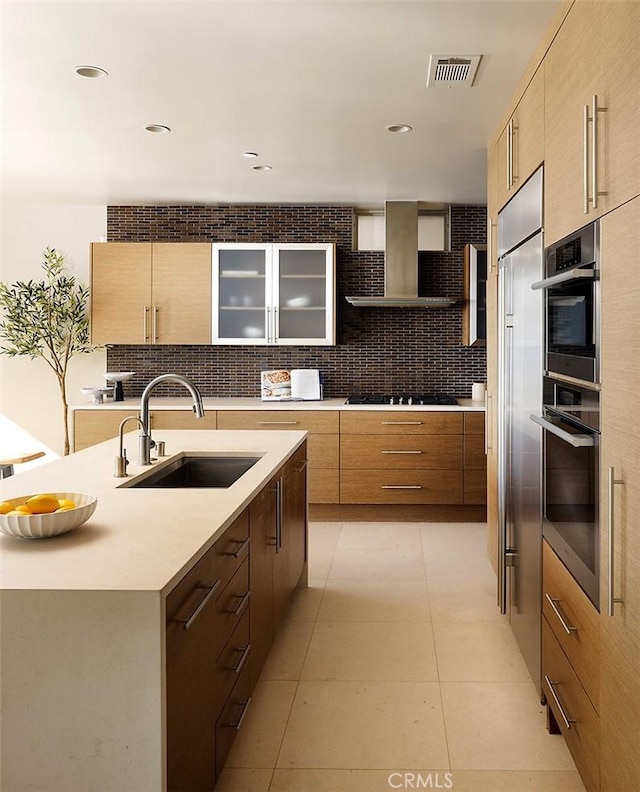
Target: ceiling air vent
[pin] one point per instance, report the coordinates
(452, 70)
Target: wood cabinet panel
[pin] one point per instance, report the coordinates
(230, 663)
(400, 451)
(620, 450)
(475, 487)
(231, 605)
(96, 426)
(562, 598)
(231, 719)
(610, 33)
(474, 423)
(583, 738)
(474, 455)
(403, 486)
(324, 485)
(120, 292)
(400, 422)
(520, 148)
(181, 292)
(182, 419)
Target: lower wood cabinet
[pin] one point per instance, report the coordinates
(221, 619)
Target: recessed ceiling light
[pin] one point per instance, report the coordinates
(250, 154)
(158, 129)
(262, 167)
(399, 128)
(91, 71)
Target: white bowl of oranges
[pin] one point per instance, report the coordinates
(47, 514)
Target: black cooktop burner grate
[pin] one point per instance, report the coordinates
(400, 398)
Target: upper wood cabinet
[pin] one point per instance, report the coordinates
(520, 148)
(491, 412)
(274, 294)
(591, 115)
(620, 451)
(150, 293)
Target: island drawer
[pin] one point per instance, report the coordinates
(567, 699)
(401, 486)
(401, 451)
(231, 662)
(232, 548)
(232, 718)
(231, 606)
(401, 422)
(574, 621)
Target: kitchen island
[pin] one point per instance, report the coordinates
(85, 615)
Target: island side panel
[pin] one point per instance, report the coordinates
(81, 688)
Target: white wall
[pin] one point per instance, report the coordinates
(29, 392)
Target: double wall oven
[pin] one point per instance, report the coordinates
(570, 415)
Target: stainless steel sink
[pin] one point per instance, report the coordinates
(198, 471)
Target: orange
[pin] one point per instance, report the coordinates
(43, 504)
(6, 507)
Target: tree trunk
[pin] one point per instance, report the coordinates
(65, 413)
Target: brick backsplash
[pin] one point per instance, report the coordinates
(377, 349)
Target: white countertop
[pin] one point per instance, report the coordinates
(249, 403)
(137, 539)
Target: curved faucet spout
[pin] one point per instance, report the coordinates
(145, 430)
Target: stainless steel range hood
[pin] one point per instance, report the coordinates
(401, 263)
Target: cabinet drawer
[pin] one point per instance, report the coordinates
(231, 662)
(474, 423)
(95, 426)
(232, 718)
(316, 422)
(418, 452)
(230, 606)
(232, 548)
(323, 485)
(564, 600)
(323, 450)
(583, 738)
(474, 455)
(181, 419)
(400, 422)
(475, 487)
(401, 486)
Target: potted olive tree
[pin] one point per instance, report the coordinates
(47, 319)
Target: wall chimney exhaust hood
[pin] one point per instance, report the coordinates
(401, 263)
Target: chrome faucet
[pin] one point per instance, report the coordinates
(145, 441)
(121, 460)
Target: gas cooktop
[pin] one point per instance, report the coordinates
(400, 398)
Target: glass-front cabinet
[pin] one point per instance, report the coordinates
(273, 294)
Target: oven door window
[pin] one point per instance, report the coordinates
(570, 319)
(571, 495)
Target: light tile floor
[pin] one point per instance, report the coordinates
(395, 670)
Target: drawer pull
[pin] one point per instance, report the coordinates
(244, 544)
(245, 707)
(567, 721)
(302, 466)
(401, 452)
(241, 604)
(554, 605)
(278, 423)
(243, 659)
(401, 423)
(186, 623)
(401, 486)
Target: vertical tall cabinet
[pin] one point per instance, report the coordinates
(586, 72)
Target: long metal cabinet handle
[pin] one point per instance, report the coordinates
(400, 452)
(510, 155)
(554, 605)
(186, 623)
(278, 515)
(563, 277)
(567, 720)
(154, 325)
(486, 422)
(243, 545)
(575, 440)
(401, 423)
(145, 323)
(267, 329)
(611, 482)
(245, 707)
(237, 668)
(401, 486)
(594, 153)
(276, 329)
(243, 601)
(585, 158)
(278, 423)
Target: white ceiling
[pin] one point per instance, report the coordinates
(308, 84)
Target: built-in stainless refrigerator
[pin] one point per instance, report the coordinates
(520, 356)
